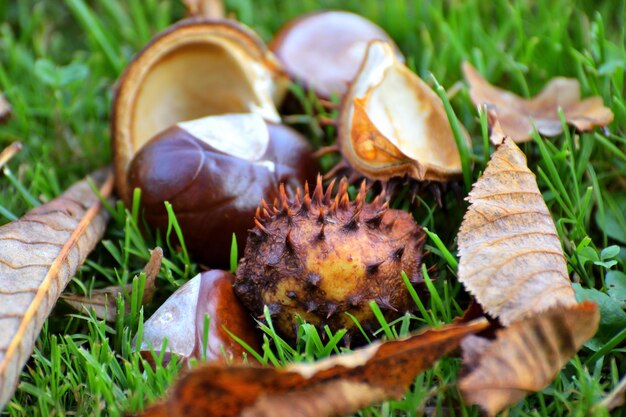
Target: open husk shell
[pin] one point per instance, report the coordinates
(196, 68)
(392, 124)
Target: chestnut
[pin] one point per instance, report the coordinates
(198, 67)
(181, 319)
(215, 171)
(324, 50)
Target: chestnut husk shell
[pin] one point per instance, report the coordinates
(214, 194)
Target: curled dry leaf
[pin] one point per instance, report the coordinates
(39, 254)
(181, 320)
(526, 356)
(103, 301)
(510, 253)
(392, 124)
(517, 115)
(338, 385)
(5, 109)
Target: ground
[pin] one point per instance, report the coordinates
(58, 64)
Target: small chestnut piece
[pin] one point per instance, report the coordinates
(324, 50)
(215, 171)
(181, 320)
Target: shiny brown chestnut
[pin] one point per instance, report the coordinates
(214, 171)
(324, 50)
(181, 320)
(198, 67)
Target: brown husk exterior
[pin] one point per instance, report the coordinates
(323, 255)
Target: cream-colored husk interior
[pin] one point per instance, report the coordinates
(200, 79)
(403, 109)
(247, 133)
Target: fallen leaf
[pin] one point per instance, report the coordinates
(510, 253)
(181, 320)
(205, 8)
(527, 356)
(334, 386)
(5, 109)
(517, 115)
(9, 152)
(39, 254)
(103, 301)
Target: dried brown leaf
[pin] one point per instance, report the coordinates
(39, 254)
(517, 115)
(510, 253)
(5, 109)
(205, 8)
(528, 355)
(335, 386)
(103, 301)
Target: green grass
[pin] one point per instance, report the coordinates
(58, 64)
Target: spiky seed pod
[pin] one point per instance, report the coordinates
(322, 255)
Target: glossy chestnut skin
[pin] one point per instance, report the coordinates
(324, 50)
(215, 194)
(181, 320)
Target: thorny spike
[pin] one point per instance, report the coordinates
(257, 214)
(345, 201)
(353, 223)
(333, 207)
(318, 193)
(343, 187)
(260, 226)
(289, 245)
(385, 303)
(296, 200)
(275, 206)
(266, 213)
(360, 198)
(283, 197)
(321, 218)
(332, 309)
(375, 220)
(397, 254)
(373, 268)
(321, 235)
(436, 191)
(264, 205)
(310, 306)
(329, 191)
(313, 279)
(306, 188)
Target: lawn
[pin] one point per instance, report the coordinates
(59, 61)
